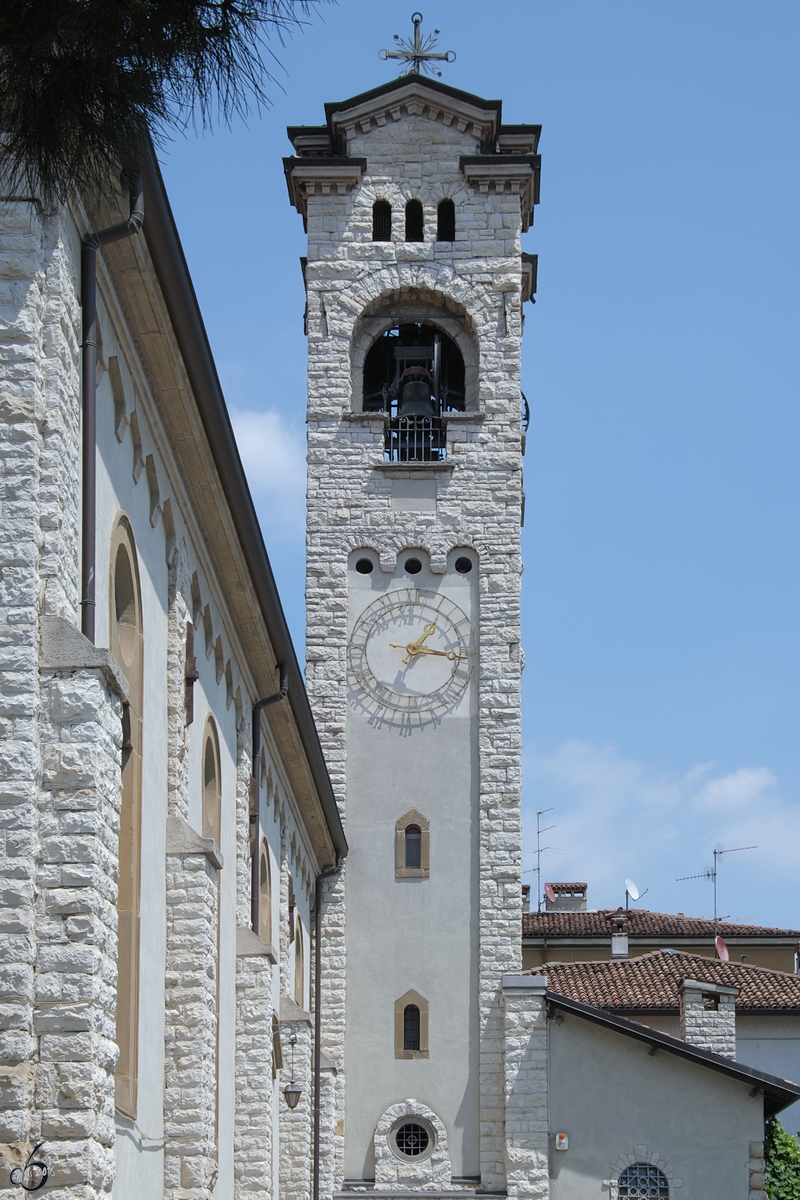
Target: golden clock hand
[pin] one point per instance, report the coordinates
(414, 648)
(451, 654)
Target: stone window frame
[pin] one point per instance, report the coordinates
(414, 220)
(434, 308)
(423, 871)
(379, 213)
(446, 219)
(126, 642)
(641, 1154)
(400, 1005)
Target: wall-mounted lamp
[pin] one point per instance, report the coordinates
(292, 1092)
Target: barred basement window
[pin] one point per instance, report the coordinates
(446, 221)
(414, 222)
(643, 1181)
(411, 1027)
(381, 221)
(412, 1140)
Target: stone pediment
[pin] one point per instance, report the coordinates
(413, 96)
(416, 97)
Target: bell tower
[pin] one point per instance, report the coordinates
(414, 196)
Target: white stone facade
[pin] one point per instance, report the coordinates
(203, 1115)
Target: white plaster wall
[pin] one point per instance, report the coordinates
(613, 1099)
(772, 1044)
(139, 1144)
(413, 933)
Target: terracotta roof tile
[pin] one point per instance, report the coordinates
(641, 923)
(653, 981)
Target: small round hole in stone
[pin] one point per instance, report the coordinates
(364, 566)
(413, 566)
(463, 565)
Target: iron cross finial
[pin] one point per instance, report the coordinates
(420, 52)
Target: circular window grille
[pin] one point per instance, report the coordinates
(642, 1181)
(412, 1140)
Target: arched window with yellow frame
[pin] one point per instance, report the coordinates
(264, 894)
(299, 964)
(126, 644)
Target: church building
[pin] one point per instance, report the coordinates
(261, 932)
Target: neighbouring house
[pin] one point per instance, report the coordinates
(567, 930)
(764, 1008)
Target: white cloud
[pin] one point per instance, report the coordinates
(618, 818)
(274, 456)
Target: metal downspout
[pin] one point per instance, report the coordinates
(318, 1013)
(89, 247)
(283, 674)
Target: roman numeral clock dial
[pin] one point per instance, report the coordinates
(410, 657)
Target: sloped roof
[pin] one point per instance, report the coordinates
(778, 1093)
(641, 923)
(652, 982)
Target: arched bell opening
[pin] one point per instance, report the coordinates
(414, 373)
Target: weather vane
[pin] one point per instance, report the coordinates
(420, 52)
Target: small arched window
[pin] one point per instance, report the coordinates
(413, 847)
(415, 230)
(446, 221)
(411, 1027)
(299, 971)
(211, 787)
(643, 1180)
(381, 221)
(264, 894)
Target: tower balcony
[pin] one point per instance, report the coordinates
(415, 439)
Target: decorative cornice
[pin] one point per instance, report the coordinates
(311, 176)
(516, 173)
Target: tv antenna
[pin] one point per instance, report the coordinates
(712, 875)
(540, 849)
(632, 891)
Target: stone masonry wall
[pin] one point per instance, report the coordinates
(190, 1093)
(39, 424)
(705, 1026)
(479, 501)
(526, 1084)
(76, 931)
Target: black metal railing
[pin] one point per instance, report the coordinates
(415, 439)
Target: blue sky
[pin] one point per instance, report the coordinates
(662, 590)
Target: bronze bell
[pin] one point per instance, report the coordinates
(415, 394)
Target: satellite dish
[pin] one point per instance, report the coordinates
(548, 891)
(631, 889)
(723, 953)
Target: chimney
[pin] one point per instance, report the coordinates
(567, 897)
(619, 934)
(526, 897)
(708, 1016)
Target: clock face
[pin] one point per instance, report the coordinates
(411, 652)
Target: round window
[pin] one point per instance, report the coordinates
(412, 1139)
